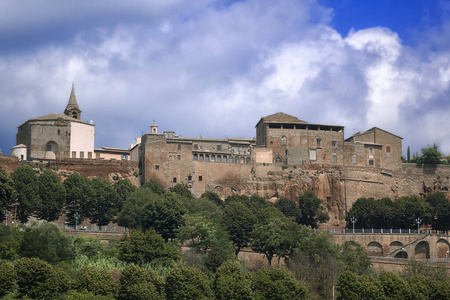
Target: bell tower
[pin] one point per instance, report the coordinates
(72, 110)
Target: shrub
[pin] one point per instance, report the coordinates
(187, 283)
(99, 282)
(10, 240)
(85, 295)
(37, 279)
(7, 277)
(231, 283)
(136, 283)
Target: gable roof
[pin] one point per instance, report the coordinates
(280, 117)
(370, 131)
(54, 117)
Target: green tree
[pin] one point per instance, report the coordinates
(164, 214)
(52, 196)
(187, 283)
(47, 242)
(213, 197)
(230, 282)
(37, 279)
(133, 213)
(10, 241)
(440, 210)
(240, 222)
(181, 190)
(136, 284)
(311, 210)
(276, 237)
(98, 282)
(85, 295)
(78, 195)
(155, 187)
(371, 213)
(124, 188)
(6, 193)
(144, 247)
(352, 286)
(289, 208)
(7, 277)
(394, 286)
(27, 191)
(430, 155)
(104, 202)
(275, 283)
(407, 209)
(408, 154)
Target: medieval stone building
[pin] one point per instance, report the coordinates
(57, 135)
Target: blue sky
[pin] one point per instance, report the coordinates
(213, 68)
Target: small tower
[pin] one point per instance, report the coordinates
(72, 109)
(153, 128)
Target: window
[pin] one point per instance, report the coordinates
(201, 157)
(49, 147)
(124, 157)
(230, 159)
(190, 177)
(283, 141)
(248, 160)
(207, 157)
(179, 147)
(157, 167)
(81, 154)
(334, 143)
(354, 159)
(195, 157)
(90, 155)
(174, 180)
(200, 178)
(278, 159)
(179, 157)
(74, 154)
(219, 158)
(21, 157)
(236, 159)
(370, 162)
(219, 147)
(224, 158)
(370, 152)
(319, 143)
(213, 158)
(388, 149)
(195, 146)
(242, 161)
(312, 154)
(232, 151)
(334, 158)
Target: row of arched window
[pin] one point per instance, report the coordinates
(222, 158)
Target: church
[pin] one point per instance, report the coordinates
(56, 135)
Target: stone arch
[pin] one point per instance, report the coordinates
(401, 254)
(242, 160)
(278, 159)
(50, 150)
(248, 160)
(374, 249)
(442, 248)
(422, 250)
(395, 245)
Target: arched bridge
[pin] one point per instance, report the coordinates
(395, 245)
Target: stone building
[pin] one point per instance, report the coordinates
(58, 135)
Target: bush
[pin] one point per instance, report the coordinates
(37, 279)
(274, 283)
(7, 277)
(10, 240)
(99, 282)
(85, 295)
(187, 283)
(136, 283)
(231, 283)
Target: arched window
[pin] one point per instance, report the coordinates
(283, 141)
(213, 158)
(201, 157)
(278, 159)
(354, 159)
(195, 156)
(74, 115)
(230, 160)
(224, 158)
(388, 149)
(248, 160)
(207, 157)
(334, 158)
(219, 158)
(236, 159)
(242, 160)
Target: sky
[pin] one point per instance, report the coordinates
(213, 68)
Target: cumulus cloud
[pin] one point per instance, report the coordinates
(215, 67)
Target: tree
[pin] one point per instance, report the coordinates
(394, 286)
(136, 283)
(371, 213)
(277, 237)
(124, 188)
(352, 286)
(213, 197)
(275, 283)
(187, 283)
(289, 208)
(143, 247)
(430, 155)
(311, 210)
(231, 283)
(240, 222)
(133, 211)
(104, 202)
(408, 154)
(6, 193)
(440, 210)
(52, 196)
(154, 187)
(98, 282)
(27, 191)
(10, 241)
(38, 279)
(7, 277)
(78, 195)
(181, 190)
(407, 209)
